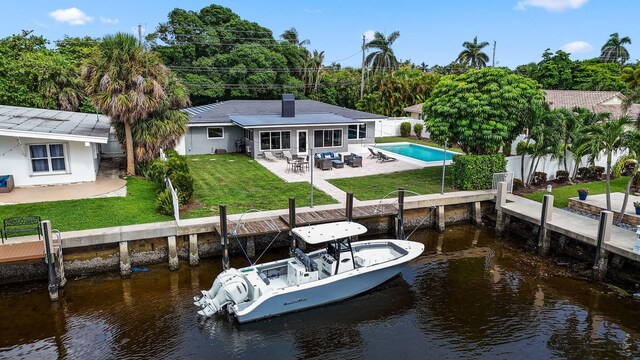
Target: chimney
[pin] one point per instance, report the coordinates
(288, 105)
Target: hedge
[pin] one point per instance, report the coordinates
(475, 172)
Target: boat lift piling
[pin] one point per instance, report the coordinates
(349, 207)
(224, 237)
(400, 217)
(51, 265)
(292, 223)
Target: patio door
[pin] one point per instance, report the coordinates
(302, 142)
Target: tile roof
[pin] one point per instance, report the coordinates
(14, 119)
(221, 112)
(569, 99)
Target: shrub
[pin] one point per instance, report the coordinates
(164, 203)
(562, 176)
(405, 129)
(183, 183)
(636, 204)
(518, 184)
(591, 173)
(583, 191)
(623, 167)
(475, 172)
(417, 128)
(177, 170)
(539, 178)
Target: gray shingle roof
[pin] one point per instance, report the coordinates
(43, 121)
(306, 119)
(221, 112)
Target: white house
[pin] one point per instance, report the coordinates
(46, 147)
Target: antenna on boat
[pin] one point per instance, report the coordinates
(224, 237)
(400, 216)
(292, 223)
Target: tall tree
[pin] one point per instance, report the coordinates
(614, 50)
(126, 83)
(632, 142)
(472, 55)
(607, 137)
(291, 36)
(382, 58)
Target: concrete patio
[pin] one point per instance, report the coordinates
(596, 203)
(370, 166)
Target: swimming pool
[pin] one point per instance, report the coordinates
(419, 152)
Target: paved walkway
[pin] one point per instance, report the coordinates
(370, 166)
(573, 225)
(102, 187)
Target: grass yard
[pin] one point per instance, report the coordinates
(243, 184)
(392, 139)
(137, 207)
(423, 181)
(561, 195)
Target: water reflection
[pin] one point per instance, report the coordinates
(466, 297)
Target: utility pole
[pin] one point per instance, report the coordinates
(139, 34)
(493, 59)
(362, 75)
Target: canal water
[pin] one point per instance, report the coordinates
(468, 296)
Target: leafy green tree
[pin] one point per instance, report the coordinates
(545, 135)
(576, 130)
(472, 55)
(614, 50)
(383, 58)
(125, 82)
(606, 136)
(594, 75)
(555, 71)
(341, 87)
(479, 110)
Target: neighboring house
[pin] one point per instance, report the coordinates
(45, 147)
(255, 126)
(415, 111)
(595, 101)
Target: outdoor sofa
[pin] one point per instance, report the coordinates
(327, 160)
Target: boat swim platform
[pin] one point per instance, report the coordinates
(31, 250)
(572, 225)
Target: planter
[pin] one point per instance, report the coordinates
(6, 183)
(638, 211)
(582, 196)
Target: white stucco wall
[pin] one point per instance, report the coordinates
(80, 166)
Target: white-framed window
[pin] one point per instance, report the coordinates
(358, 131)
(327, 138)
(275, 140)
(47, 158)
(215, 133)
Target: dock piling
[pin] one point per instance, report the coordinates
(441, 219)
(477, 213)
(173, 253)
(604, 235)
(349, 207)
(194, 256)
(399, 228)
(224, 237)
(125, 262)
(292, 223)
(51, 267)
(501, 200)
(544, 239)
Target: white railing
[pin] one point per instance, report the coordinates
(174, 200)
(503, 177)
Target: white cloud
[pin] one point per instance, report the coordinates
(551, 5)
(106, 20)
(313, 11)
(577, 47)
(71, 16)
(368, 35)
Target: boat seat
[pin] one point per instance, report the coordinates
(264, 277)
(309, 264)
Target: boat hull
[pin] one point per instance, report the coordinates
(308, 297)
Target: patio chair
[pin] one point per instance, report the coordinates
(353, 160)
(287, 154)
(305, 163)
(269, 156)
(384, 157)
(375, 155)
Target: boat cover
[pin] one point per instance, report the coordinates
(317, 234)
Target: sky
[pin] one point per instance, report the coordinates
(430, 31)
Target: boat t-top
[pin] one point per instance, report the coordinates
(339, 270)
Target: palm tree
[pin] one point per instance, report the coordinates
(291, 36)
(383, 58)
(614, 50)
(576, 124)
(126, 83)
(472, 55)
(632, 142)
(607, 137)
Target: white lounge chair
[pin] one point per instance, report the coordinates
(269, 156)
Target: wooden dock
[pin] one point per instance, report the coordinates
(254, 227)
(325, 216)
(31, 250)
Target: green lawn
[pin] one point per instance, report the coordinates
(423, 181)
(242, 184)
(136, 208)
(561, 195)
(392, 139)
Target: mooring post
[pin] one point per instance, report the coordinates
(477, 213)
(349, 207)
(544, 238)
(125, 262)
(224, 237)
(400, 216)
(441, 218)
(292, 224)
(51, 267)
(173, 253)
(194, 256)
(604, 235)
(501, 200)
